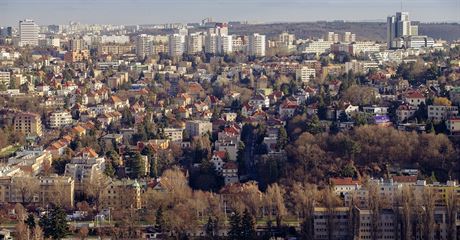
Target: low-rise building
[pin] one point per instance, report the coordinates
(441, 113)
(60, 119)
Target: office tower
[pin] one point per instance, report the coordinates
(256, 45)
(176, 45)
(194, 43)
(332, 37)
(77, 44)
(28, 33)
(143, 45)
(399, 26)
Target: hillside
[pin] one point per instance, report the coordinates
(364, 30)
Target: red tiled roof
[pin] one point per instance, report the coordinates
(343, 181)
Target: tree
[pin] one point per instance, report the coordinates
(274, 202)
(283, 139)
(159, 220)
(211, 227)
(83, 232)
(54, 224)
(235, 232)
(96, 187)
(28, 187)
(135, 164)
(248, 228)
(30, 221)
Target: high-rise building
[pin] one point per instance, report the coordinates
(194, 43)
(225, 44)
(349, 37)
(143, 45)
(210, 43)
(399, 26)
(256, 45)
(176, 45)
(77, 44)
(28, 33)
(286, 38)
(332, 37)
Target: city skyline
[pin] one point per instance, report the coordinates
(254, 11)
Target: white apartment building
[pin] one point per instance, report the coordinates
(194, 43)
(210, 43)
(83, 167)
(143, 45)
(453, 125)
(28, 33)
(198, 128)
(5, 79)
(174, 134)
(349, 37)
(441, 113)
(305, 74)
(225, 44)
(176, 45)
(364, 47)
(60, 119)
(256, 45)
(317, 47)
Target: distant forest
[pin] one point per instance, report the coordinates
(375, 31)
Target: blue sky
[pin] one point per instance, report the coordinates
(167, 11)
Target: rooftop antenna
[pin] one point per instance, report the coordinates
(401, 5)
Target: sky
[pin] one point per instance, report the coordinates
(127, 12)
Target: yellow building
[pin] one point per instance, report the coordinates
(54, 189)
(122, 194)
(28, 123)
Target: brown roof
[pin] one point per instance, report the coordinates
(405, 179)
(343, 181)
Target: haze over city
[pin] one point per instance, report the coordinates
(162, 11)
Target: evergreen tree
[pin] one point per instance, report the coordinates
(54, 224)
(235, 232)
(211, 227)
(248, 226)
(30, 221)
(135, 164)
(282, 138)
(159, 220)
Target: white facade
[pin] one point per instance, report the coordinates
(256, 45)
(176, 45)
(441, 113)
(5, 79)
(305, 74)
(28, 33)
(143, 45)
(174, 134)
(317, 47)
(60, 119)
(194, 43)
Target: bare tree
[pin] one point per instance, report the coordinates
(97, 186)
(27, 187)
(330, 201)
(451, 201)
(274, 201)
